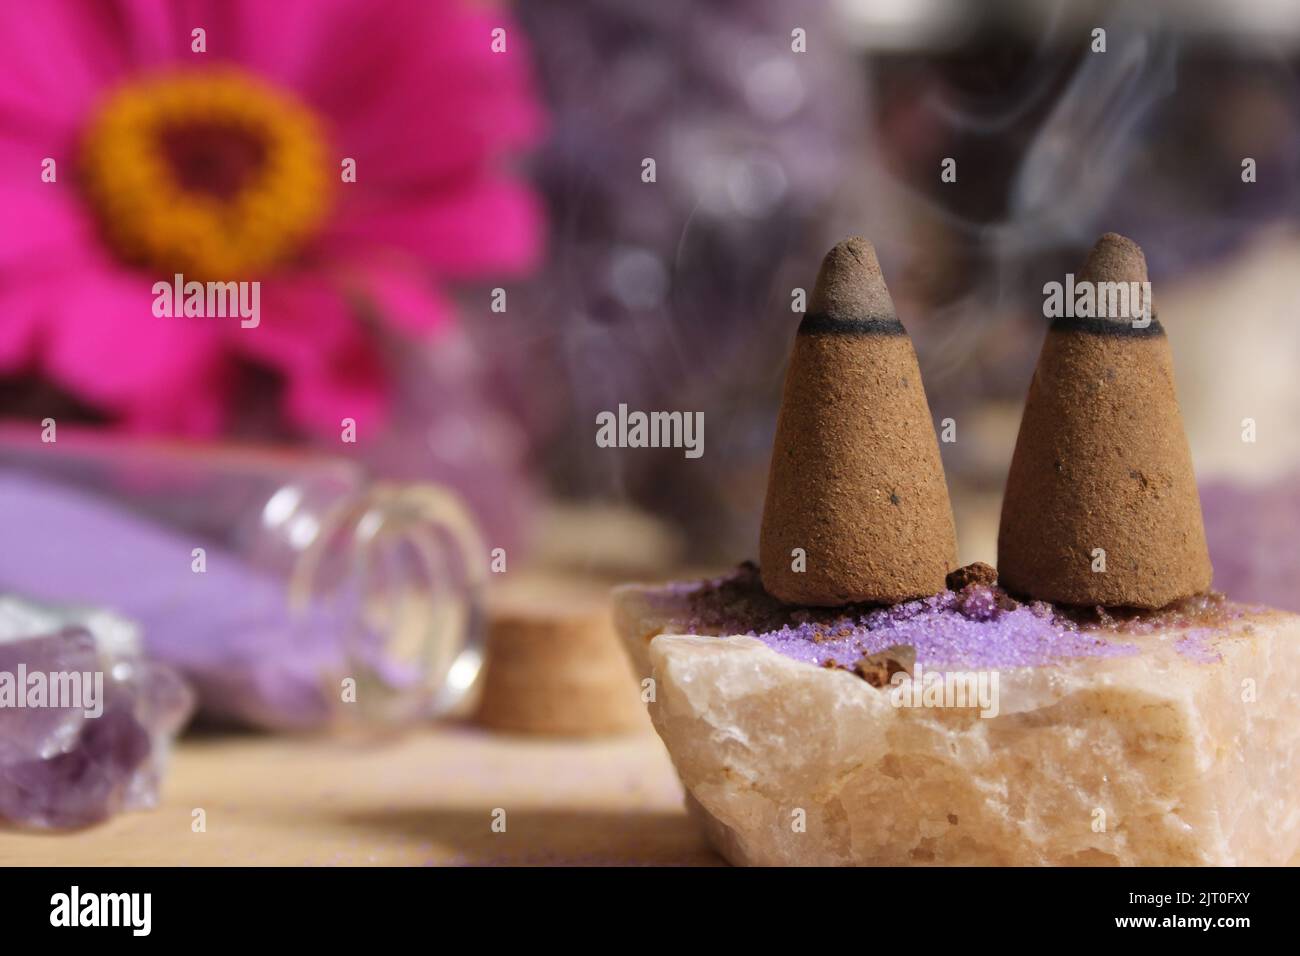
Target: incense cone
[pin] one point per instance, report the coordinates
(1102, 474)
(857, 509)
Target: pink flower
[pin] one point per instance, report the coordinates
(228, 165)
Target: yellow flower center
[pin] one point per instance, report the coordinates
(211, 174)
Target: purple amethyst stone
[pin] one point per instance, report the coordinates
(85, 720)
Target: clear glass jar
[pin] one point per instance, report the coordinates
(290, 588)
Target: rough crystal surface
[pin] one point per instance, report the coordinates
(1169, 739)
(60, 766)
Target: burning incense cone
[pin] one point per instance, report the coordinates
(857, 508)
(1101, 506)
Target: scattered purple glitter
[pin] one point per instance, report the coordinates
(980, 626)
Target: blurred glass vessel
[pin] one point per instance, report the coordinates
(291, 589)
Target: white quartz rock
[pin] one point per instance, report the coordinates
(1151, 759)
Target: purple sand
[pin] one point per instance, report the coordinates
(980, 626)
(229, 630)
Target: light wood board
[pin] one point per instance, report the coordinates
(425, 799)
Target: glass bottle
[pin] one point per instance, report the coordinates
(290, 588)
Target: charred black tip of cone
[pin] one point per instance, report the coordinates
(1116, 269)
(850, 296)
(1115, 258)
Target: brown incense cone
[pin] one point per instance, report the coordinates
(856, 482)
(1102, 463)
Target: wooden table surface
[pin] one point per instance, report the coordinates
(425, 800)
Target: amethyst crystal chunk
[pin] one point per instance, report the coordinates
(86, 721)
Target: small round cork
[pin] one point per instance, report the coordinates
(857, 508)
(1101, 505)
(555, 666)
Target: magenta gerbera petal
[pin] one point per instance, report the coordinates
(53, 226)
(303, 324)
(21, 316)
(488, 226)
(406, 295)
(350, 390)
(58, 56)
(171, 360)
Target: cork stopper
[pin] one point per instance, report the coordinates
(857, 508)
(554, 663)
(1101, 505)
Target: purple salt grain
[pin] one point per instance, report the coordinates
(980, 604)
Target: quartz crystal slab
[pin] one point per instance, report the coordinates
(1170, 738)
